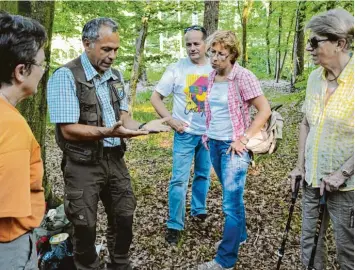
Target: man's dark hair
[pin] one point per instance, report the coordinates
(20, 40)
(197, 28)
(91, 28)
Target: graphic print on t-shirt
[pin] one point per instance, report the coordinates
(196, 90)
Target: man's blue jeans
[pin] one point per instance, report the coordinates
(232, 175)
(186, 147)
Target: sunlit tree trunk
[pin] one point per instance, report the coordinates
(138, 57)
(248, 4)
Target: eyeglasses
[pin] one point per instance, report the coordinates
(195, 27)
(313, 42)
(220, 56)
(44, 65)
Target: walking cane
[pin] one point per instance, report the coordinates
(281, 250)
(322, 202)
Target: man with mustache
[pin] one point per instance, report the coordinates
(87, 102)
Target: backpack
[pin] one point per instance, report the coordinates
(265, 141)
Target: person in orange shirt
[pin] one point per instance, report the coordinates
(22, 202)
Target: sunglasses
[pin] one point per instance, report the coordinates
(195, 27)
(313, 42)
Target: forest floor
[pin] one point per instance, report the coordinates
(267, 199)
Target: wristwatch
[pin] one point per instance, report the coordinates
(246, 137)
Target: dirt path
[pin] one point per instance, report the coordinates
(266, 198)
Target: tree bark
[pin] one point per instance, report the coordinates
(140, 41)
(267, 38)
(278, 51)
(299, 44)
(34, 109)
(246, 10)
(210, 18)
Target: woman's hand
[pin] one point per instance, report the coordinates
(298, 171)
(236, 147)
(177, 125)
(332, 182)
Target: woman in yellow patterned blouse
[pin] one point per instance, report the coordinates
(326, 143)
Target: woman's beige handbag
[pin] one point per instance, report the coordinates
(265, 141)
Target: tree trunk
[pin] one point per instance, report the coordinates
(210, 18)
(143, 77)
(246, 10)
(140, 41)
(298, 44)
(287, 41)
(267, 38)
(34, 109)
(278, 51)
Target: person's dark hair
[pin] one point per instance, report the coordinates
(91, 28)
(197, 28)
(20, 40)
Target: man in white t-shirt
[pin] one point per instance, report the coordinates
(187, 81)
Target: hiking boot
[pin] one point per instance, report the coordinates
(173, 236)
(212, 265)
(199, 218)
(220, 241)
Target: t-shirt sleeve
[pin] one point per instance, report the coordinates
(63, 103)
(249, 86)
(166, 84)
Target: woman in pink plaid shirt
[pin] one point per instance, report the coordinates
(226, 137)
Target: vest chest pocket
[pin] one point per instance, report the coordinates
(88, 114)
(88, 105)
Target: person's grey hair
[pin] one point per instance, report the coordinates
(91, 28)
(334, 24)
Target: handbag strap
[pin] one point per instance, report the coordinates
(241, 105)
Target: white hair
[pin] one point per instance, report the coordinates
(334, 24)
